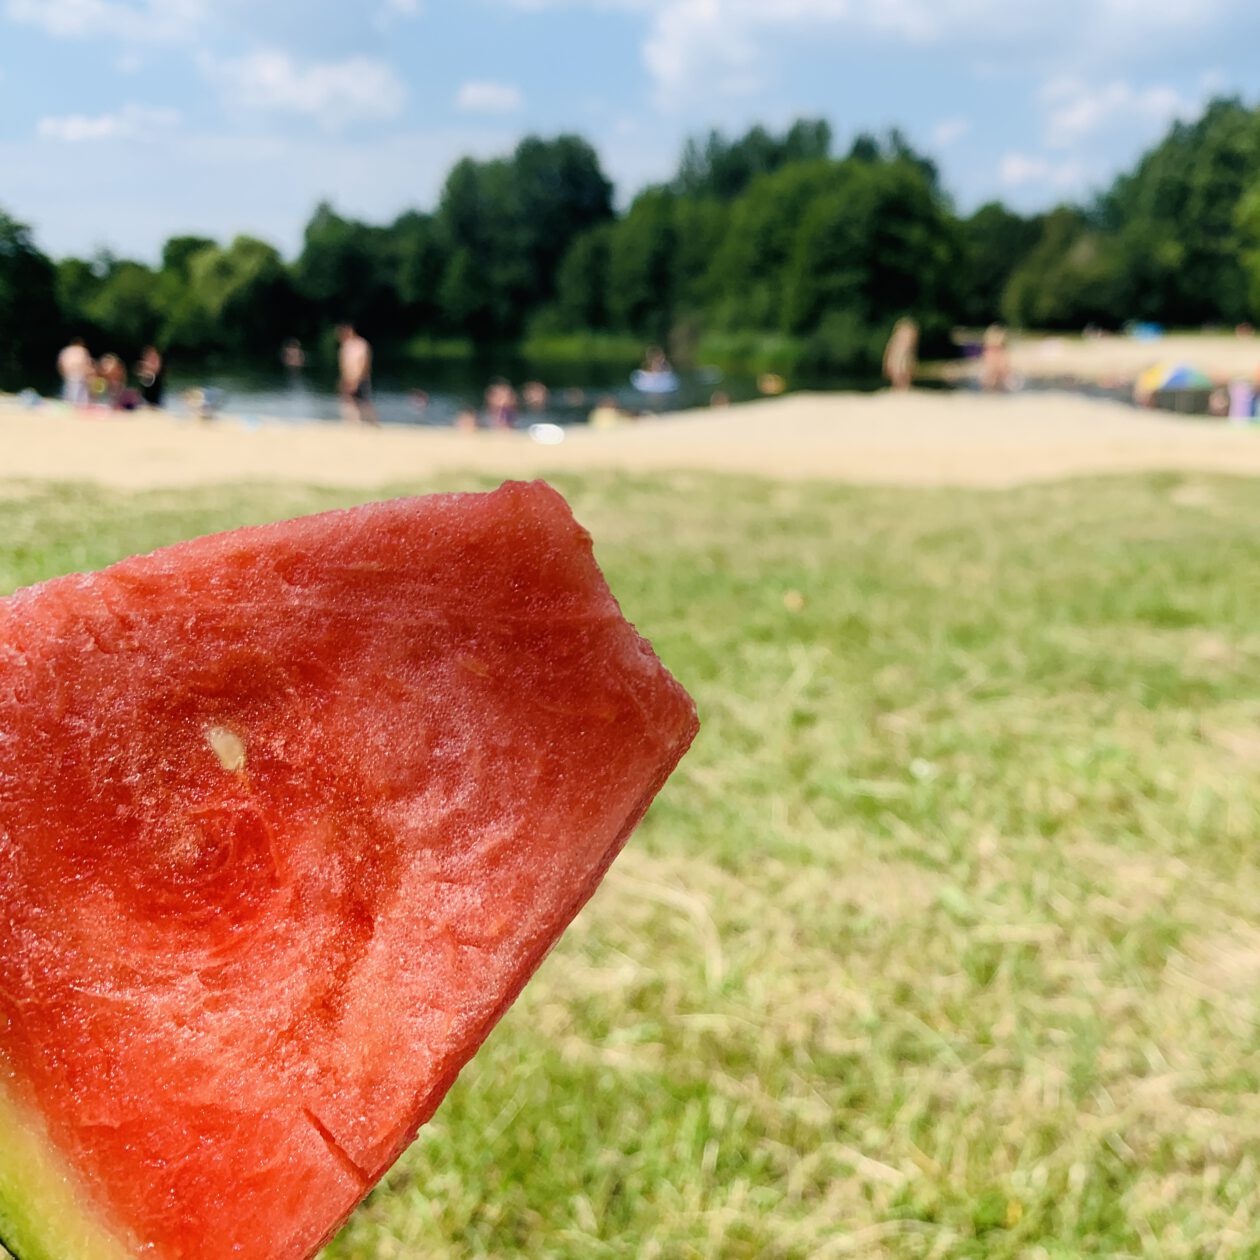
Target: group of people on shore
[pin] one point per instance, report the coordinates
(502, 406)
(104, 382)
(901, 358)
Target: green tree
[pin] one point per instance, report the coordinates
(561, 192)
(880, 246)
(185, 326)
(124, 308)
(178, 252)
(1247, 217)
(1071, 278)
(76, 284)
(749, 273)
(487, 276)
(582, 283)
(470, 299)
(865, 148)
(722, 169)
(507, 224)
(345, 273)
(701, 227)
(418, 264)
(1175, 220)
(30, 321)
(245, 294)
(995, 242)
(641, 273)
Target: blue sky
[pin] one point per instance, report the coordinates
(125, 121)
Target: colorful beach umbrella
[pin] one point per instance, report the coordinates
(1164, 376)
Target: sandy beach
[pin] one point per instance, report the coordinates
(1117, 359)
(927, 438)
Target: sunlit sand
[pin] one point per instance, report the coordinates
(916, 439)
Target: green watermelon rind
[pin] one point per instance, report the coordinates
(34, 1179)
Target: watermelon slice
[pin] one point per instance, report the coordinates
(288, 817)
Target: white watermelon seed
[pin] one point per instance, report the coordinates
(228, 747)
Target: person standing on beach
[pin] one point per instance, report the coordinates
(75, 366)
(355, 362)
(995, 362)
(902, 355)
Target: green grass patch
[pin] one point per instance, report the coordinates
(944, 942)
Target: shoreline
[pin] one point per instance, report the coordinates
(1115, 360)
(928, 438)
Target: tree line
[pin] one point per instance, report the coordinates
(759, 241)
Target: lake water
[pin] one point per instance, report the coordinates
(277, 394)
(271, 393)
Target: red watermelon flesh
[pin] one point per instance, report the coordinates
(288, 816)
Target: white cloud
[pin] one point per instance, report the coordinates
(1174, 14)
(693, 48)
(132, 122)
(483, 97)
(718, 45)
(949, 131)
(153, 21)
(333, 92)
(1078, 112)
(392, 12)
(1020, 169)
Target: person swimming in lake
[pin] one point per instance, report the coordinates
(502, 405)
(656, 361)
(901, 358)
